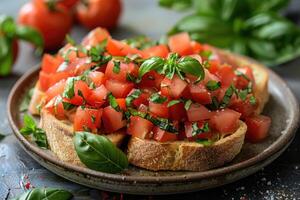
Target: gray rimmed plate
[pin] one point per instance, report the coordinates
(282, 107)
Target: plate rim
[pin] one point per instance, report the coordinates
(291, 128)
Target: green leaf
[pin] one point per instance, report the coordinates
(187, 104)
(153, 63)
(191, 66)
(176, 4)
(213, 85)
(164, 124)
(132, 96)
(205, 142)
(252, 100)
(70, 40)
(173, 102)
(6, 56)
(113, 102)
(67, 105)
(2, 136)
(7, 26)
(45, 194)
(69, 91)
(31, 35)
(26, 100)
(116, 68)
(198, 130)
(227, 97)
(99, 153)
(157, 98)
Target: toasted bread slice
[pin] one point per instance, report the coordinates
(60, 137)
(185, 155)
(37, 98)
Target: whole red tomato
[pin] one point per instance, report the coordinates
(53, 22)
(95, 13)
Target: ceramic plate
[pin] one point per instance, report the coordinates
(282, 107)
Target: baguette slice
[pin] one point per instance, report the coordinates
(60, 137)
(185, 155)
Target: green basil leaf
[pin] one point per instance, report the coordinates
(132, 96)
(70, 40)
(69, 91)
(197, 130)
(7, 26)
(116, 68)
(26, 100)
(153, 63)
(113, 102)
(252, 100)
(205, 142)
(67, 105)
(164, 124)
(213, 85)
(191, 66)
(176, 5)
(157, 98)
(99, 153)
(227, 97)
(187, 104)
(45, 193)
(6, 55)
(243, 94)
(173, 102)
(31, 35)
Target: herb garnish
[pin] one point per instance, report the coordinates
(67, 105)
(113, 102)
(157, 98)
(132, 96)
(197, 130)
(45, 193)
(173, 102)
(252, 100)
(228, 94)
(213, 85)
(205, 142)
(187, 104)
(30, 129)
(69, 91)
(116, 68)
(26, 101)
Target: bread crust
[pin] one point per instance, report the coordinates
(60, 137)
(185, 155)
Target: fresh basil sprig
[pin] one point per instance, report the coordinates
(26, 100)
(173, 65)
(30, 129)
(45, 193)
(99, 153)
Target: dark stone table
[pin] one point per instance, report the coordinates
(279, 180)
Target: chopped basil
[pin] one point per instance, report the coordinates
(69, 91)
(26, 100)
(215, 103)
(205, 142)
(242, 94)
(134, 95)
(173, 102)
(116, 68)
(113, 102)
(70, 40)
(187, 104)
(228, 94)
(131, 78)
(164, 124)
(157, 98)
(93, 118)
(252, 100)
(213, 85)
(67, 105)
(197, 130)
(239, 73)
(207, 54)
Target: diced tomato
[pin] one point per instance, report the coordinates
(163, 136)
(209, 77)
(159, 109)
(95, 37)
(189, 132)
(118, 48)
(122, 103)
(196, 46)
(125, 69)
(257, 128)
(97, 78)
(118, 89)
(198, 112)
(177, 112)
(225, 121)
(181, 44)
(213, 66)
(46, 80)
(87, 119)
(82, 92)
(112, 120)
(55, 107)
(226, 75)
(200, 94)
(151, 80)
(139, 127)
(173, 88)
(142, 99)
(97, 96)
(56, 89)
(159, 50)
(50, 63)
(79, 65)
(243, 80)
(243, 107)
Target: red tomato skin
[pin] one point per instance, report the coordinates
(112, 120)
(242, 82)
(46, 80)
(181, 44)
(85, 90)
(95, 37)
(60, 20)
(97, 96)
(142, 99)
(99, 13)
(118, 48)
(122, 103)
(50, 63)
(177, 112)
(173, 88)
(68, 3)
(159, 50)
(213, 66)
(226, 75)
(163, 136)
(244, 107)
(151, 80)
(87, 118)
(139, 127)
(125, 69)
(200, 94)
(56, 89)
(225, 121)
(118, 89)
(55, 107)
(160, 110)
(97, 78)
(196, 46)
(198, 112)
(258, 128)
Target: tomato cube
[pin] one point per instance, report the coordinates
(163, 136)
(87, 119)
(139, 127)
(258, 128)
(198, 112)
(112, 119)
